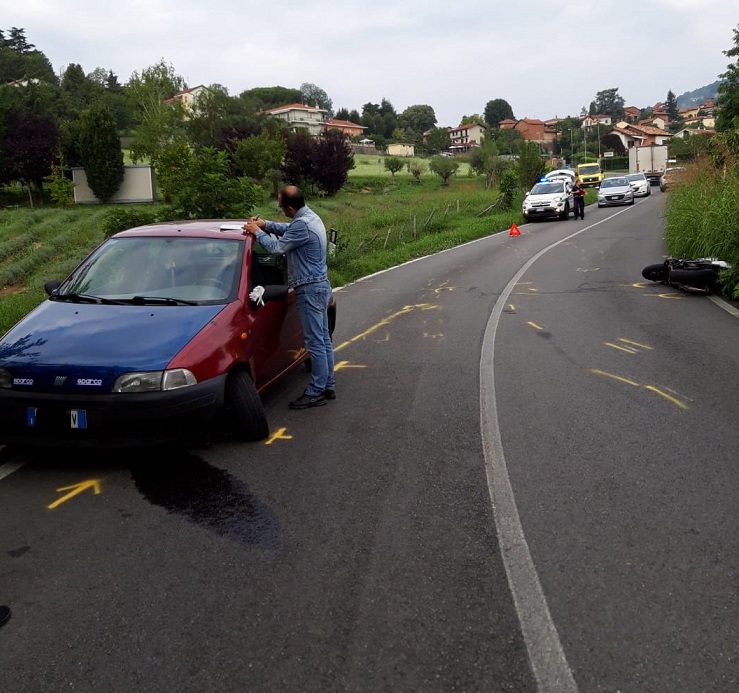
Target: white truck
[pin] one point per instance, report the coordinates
(651, 161)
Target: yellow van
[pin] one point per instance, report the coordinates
(589, 175)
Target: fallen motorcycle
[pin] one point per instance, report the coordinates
(701, 275)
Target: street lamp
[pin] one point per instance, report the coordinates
(599, 140)
(572, 148)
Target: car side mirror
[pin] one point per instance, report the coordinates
(51, 286)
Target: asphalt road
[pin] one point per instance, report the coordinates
(527, 481)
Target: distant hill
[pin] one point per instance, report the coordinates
(698, 96)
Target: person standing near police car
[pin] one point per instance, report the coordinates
(303, 241)
(578, 195)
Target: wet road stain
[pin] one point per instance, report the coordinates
(209, 497)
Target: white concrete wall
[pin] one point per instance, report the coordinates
(137, 186)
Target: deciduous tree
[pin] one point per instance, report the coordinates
(609, 102)
(728, 90)
(444, 167)
(393, 164)
(333, 160)
(497, 110)
(418, 118)
(159, 123)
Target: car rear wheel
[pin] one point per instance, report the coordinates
(246, 417)
(566, 212)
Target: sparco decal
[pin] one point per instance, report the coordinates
(22, 381)
(89, 381)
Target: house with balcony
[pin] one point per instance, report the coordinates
(632, 114)
(299, 116)
(465, 137)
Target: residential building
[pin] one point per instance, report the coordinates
(507, 124)
(299, 116)
(187, 98)
(465, 137)
(689, 132)
(590, 122)
(639, 135)
(632, 114)
(531, 129)
(348, 128)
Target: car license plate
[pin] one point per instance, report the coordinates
(78, 418)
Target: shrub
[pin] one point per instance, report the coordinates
(508, 188)
(122, 218)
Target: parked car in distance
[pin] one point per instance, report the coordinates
(565, 174)
(548, 198)
(640, 184)
(615, 191)
(670, 176)
(153, 339)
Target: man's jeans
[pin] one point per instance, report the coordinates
(312, 304)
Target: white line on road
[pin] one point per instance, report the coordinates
(548, 661)
(8, 468)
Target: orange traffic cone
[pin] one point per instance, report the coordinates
(514, 231)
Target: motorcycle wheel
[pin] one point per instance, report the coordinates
(699, 277)
(656, 273)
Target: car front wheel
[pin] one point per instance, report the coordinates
(246, 417)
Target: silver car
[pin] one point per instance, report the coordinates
(639, 184)
(614, 192)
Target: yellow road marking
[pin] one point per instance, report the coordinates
(595, 371)
(636, 344)
(628, 350)
(278, 435)
(76, 489)
(534, 325)
(651, 388)
(346, 364)
(675, 401)
(387, 321)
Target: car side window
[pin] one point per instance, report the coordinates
(266, 269)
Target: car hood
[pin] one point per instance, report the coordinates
(548, 197)
(92, 341)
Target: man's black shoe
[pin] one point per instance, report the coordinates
(4, 615)
(329, 394)
(306, 401)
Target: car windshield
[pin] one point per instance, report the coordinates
(200, 270)
(547, 188)
(614, 183)
(592, 168)
(636, 176)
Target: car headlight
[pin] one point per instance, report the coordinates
(6, 380)
(154, 381)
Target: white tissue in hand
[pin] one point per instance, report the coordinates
(256, 295)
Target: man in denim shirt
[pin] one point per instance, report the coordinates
(303, 241)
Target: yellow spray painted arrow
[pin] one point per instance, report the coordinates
(75, 490)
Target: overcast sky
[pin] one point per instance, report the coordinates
(545, 58)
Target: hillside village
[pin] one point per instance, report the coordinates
(631, 131)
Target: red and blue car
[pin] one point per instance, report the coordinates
(153, 339)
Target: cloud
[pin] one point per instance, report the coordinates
(544, 58)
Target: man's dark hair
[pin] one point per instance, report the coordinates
(292, 196)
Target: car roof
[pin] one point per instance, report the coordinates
(196, 228)
(561, 172)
